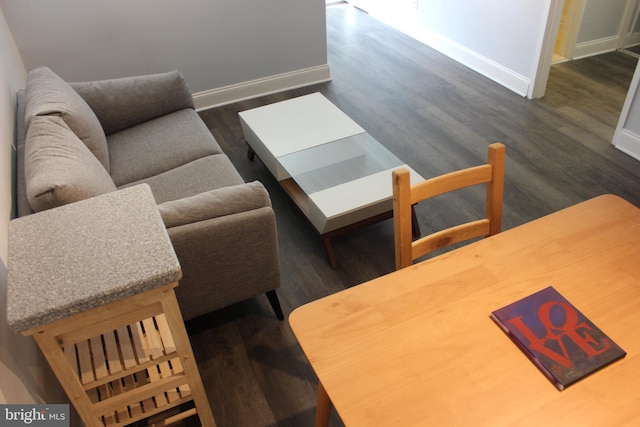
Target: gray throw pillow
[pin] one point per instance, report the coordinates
(48, 94)
(59, 168)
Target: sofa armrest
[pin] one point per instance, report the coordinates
(215, 203)
(125, 102)
(227, 245)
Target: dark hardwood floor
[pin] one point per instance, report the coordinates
(437, 116)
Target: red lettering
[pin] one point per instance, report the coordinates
(570, 328)
(539, 344)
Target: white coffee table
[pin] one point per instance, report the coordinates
(337, 174)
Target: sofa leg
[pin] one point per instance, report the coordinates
(275, 304)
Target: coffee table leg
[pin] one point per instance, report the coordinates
(328, 247)
(323, 409)
(250, 153)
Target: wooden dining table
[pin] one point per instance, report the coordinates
(417, 347)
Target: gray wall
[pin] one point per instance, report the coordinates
(215, 43)
(601, 24)
(601, 19)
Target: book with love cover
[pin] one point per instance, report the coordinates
(557, 337)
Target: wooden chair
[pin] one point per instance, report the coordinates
(405, 196)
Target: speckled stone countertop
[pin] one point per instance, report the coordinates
(82, 255)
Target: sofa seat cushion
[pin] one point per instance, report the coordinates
(48, 94)
(199, 176)
(159, 145)
(59, 168)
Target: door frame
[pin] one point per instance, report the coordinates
(572, 27)
(547, 46)
(625, 38)
(573, 19)
(539, 83)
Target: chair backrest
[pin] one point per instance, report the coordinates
(405, 196)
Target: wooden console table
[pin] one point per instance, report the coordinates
(93, 282)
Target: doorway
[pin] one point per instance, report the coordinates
(568, 27)
(580, 28)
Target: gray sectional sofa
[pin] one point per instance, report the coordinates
(79, 140)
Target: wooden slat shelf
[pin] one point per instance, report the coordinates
(130, 371)
(108, 323)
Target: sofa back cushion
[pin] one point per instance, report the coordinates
(159, 145)
(48, 94)
(128, 101)
(59, 168)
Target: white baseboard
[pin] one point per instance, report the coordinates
(632, 40)
(261, 87)
(481, 64)
(629, 143)
(595, 47)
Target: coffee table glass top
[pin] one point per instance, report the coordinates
(338, 162)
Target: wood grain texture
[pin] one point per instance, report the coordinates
(437, 116)
(417, 347)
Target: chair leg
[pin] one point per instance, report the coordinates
(275, 304)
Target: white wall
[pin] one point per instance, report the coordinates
(634, 25)
(227, 49)
(601, 19)
(504, 31)
(501, 39)
(600, 27)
